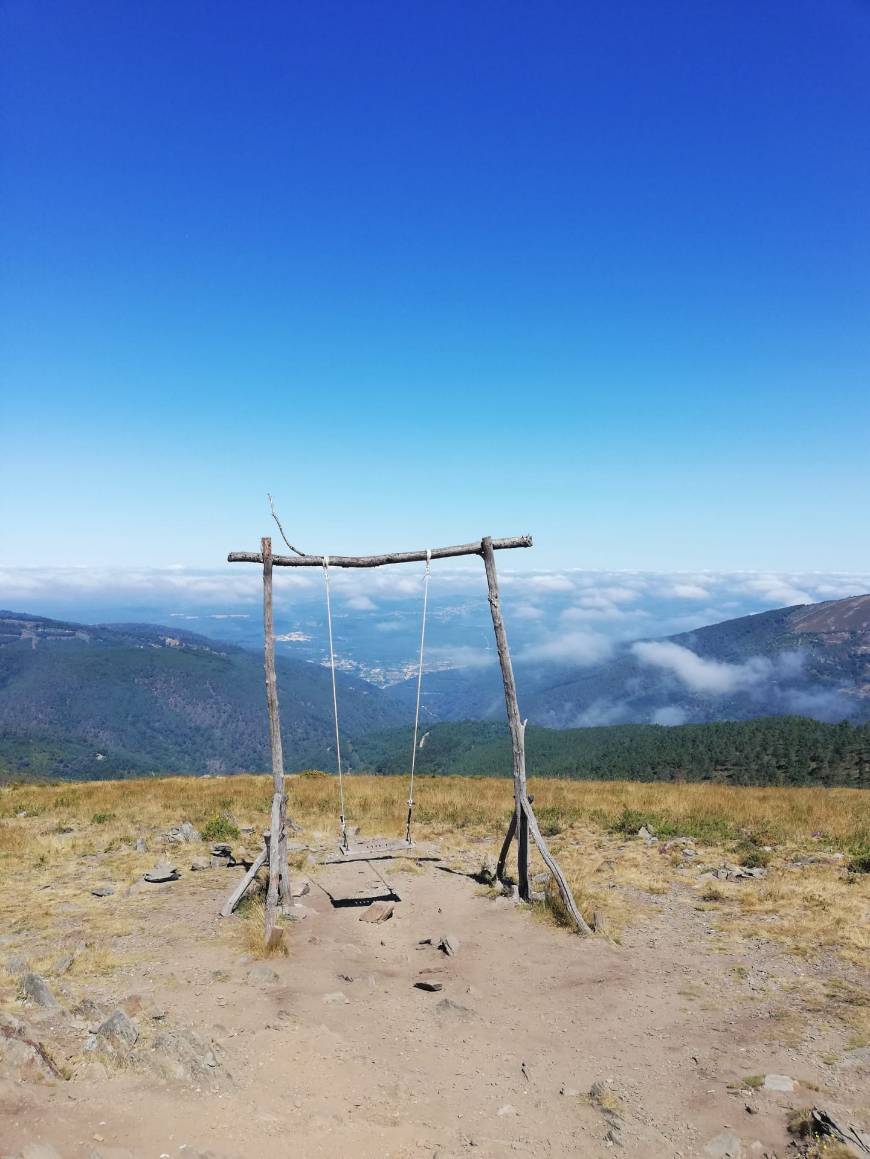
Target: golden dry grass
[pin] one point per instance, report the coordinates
(590, 825)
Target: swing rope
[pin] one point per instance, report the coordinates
(343, 834)
(419, 689)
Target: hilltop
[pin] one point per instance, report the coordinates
(106, 700)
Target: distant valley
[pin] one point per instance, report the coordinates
(132, 699)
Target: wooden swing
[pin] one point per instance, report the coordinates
(523, 822)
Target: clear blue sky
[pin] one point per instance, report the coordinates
(599, 271)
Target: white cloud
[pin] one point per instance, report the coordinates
(526, 612)
(360, 603)
(670, 714)
(689, 592)
(581, 648)
(779, 590)
(711, 676)
(549, 582)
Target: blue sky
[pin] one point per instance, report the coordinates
(430, 271)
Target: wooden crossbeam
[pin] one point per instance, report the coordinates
(380, 560)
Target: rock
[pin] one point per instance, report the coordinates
(39, 1151)
(183, 833)
(17, 966)
(449, 945)
(859, 1056)
(507, 1109)
(336, 998)
(378, 911)
(541, 878)
(116, 1036)
(64, 963)
(262, 975)
(727, 1145)
(447, 1009)
(569, 1092)
(103, 891)
(200, 863)
(179, 1054)
(36, 989)
(431, 986)
(614, 1136)
(221, 849)
(161, 872)
(304, 888)
(647, 835)
(20, 1049)
(141, 845)
(778, 1082)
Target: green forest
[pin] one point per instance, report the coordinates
(784, 750)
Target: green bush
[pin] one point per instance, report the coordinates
(220, 828)
(102, 818)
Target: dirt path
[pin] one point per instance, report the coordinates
(333, 1050)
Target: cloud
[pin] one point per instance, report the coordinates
(360, 603)
(779, 590)
(689, 592)
(549, 582)
(526, 612)
(670, 714)
(581, 648)
(714, 677)
(460, 656)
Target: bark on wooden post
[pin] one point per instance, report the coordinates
(524, 821)
(515, 724)
(279, 880)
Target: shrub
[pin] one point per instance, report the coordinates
(102, 818)
(220, 828)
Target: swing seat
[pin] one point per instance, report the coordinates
(384, 849)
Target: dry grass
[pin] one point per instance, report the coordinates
(590, 826)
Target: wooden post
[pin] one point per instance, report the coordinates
(525, 820)
(515, 724)
(279, 880)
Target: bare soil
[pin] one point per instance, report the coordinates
(334, 1050)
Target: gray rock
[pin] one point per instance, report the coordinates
(778, 1082)
(21, 1051)
(103, 891)
(36, 989)
(200, 863)
(727, 1145)
(117, 1035)
(336, 998)
(17, 966)
(39, 1151)
(448, 944)
(614, 1136)
(183, 833)
(262, 975)
(161, 872)
(447, 1009)
(647, 835)
(141, 845)
(180, 1054)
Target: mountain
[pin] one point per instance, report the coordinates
(810, 659)
(784, 750)
(114, 699)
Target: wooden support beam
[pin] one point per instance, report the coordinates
(279, 878)
(524, 820)
(376, 560)
(515, 724)
(240, 890)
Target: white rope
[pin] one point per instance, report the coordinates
(344, 844)
(419, 689)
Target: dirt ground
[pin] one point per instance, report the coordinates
(334, 1050)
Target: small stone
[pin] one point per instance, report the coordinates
(36, 989)
(161, 872)
(141, 845)
(507, 1109)
(727, 1145)
(336, 998)
(614, 1136)
(648, 837)
(262, 974)
(778, 1082)
(449, 945)
(103, 891)
(200, 863)
(569, 1092)
(378, 911)
(430, 986)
